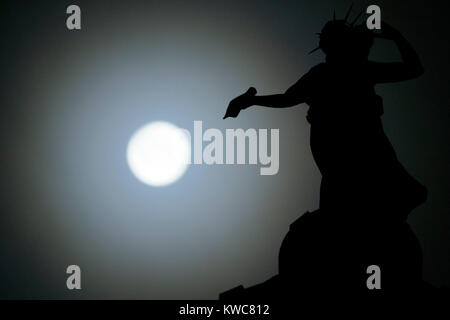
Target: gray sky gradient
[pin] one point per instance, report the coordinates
(72, 100)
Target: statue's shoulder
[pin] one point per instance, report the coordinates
(323, 66)
(317, 71)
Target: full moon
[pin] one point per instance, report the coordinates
(158, 153)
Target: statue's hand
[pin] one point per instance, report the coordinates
(387, 32)
(240, 103)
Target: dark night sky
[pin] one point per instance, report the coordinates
(70, 100)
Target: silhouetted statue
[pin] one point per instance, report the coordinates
(366, 194)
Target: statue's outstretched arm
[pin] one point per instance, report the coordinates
(293, 96)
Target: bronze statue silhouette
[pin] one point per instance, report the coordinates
(366, 194)
(347, 139)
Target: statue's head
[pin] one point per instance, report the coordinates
(343, 40)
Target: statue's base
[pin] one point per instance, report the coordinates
(324, 256)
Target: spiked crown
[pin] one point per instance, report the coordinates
(339, 34)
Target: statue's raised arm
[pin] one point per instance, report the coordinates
(409, 68)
